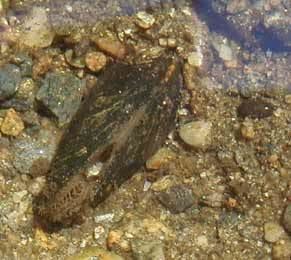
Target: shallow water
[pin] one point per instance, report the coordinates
(210, 193)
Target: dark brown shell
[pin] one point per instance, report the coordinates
(126, 118)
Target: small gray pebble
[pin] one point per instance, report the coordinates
(10, 78)
(61, 95)
(177, 198)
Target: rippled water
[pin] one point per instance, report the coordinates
(259, 37)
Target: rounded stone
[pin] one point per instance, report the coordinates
(197, 134)
(272, 232)
(36, 31)
(112, 47)
(95, 61)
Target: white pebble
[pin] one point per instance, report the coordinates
(196, 134)
(273, 232)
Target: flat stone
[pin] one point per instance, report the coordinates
(61, 94)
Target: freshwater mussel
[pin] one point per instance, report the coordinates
(124, 120)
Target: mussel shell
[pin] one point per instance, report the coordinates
(123, 122)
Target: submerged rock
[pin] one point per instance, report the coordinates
(36, 31)
(177, 198)
(116, 128)
(10, 78)
(197, 134)
(61, 94)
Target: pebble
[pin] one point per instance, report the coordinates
(104, 218)
(77, 62)
(143, 250)
(145, 20)
(25, 64)
(255, 108)
(172, 43)
(202, 241)
(12, 124)
(195, 59)
(272, 232)
(94, 252)
(25, 96)
(32, 155)
(287, 219)
(160, 158)
(60, 94)
(163, 42)
(112, 47)
(10, 77)
(225, 52)
(247, 131)
(36, 31)
(197, 134)
(116, 239)
(177, 198)
(95, 61)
